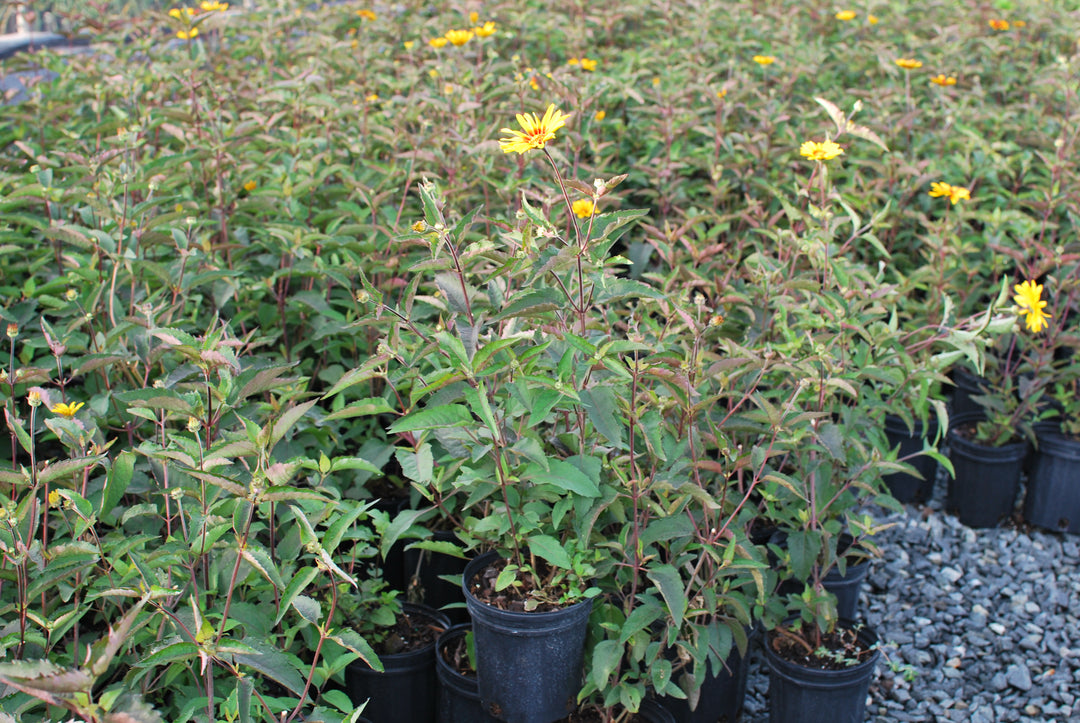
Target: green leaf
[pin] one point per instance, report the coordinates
(603, 410)
(261, 561)
(274, 664)
(308, 608)
(287, 420)
(669, 583)
(170, 654)
(304, 577)
(116, 484)
(606, 657)
(351, 640)
(66, 467)
(565, 476)
(550, 549)
(446, 415)
(530, 303)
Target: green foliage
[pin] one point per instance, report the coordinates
(287, 273)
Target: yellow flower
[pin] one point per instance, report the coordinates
(67, 410)
(909, 63)
(1028, 298)
(485, 30)
(438, 42)
(941, 79)
(954, 193)
(588, 64)
(372, 97)
(250, 186)
(409, 44)
(175, 13)
(722, 93)
(582, 208)
(1019, 23)
(459, 37)
(474, 17)
(600, 115)
(998, 24)
(872, 19)
(209, 6)
(533, 84)
(535, 132)
(419, 226)
(54, 498)
(187, 34)
(34, 397)
(572, 61)
(764, 59)
(366, 14)
(846, 15)
(820, 151)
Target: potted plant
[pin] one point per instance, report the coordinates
(988, 448)
(403, 635)
(1053, 484)
(504, 353)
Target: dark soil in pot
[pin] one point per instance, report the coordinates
(459, 692)
(649, 712)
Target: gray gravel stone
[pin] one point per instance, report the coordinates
(1019, 677)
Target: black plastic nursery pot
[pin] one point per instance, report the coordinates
(904, 486)
(987, 478)
(405, 692)
(529, 664)
(459, 695)
(846, 587)
(652, 712)
(808, 695)
(1053, 486)
(720, 699)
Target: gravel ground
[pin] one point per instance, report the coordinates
(988, 619)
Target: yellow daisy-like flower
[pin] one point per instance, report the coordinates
(408, 44)
(372, 97)
(54, 498)
(953, 193)
(846, 15)
(419, 226)
(942, 79)
(67, 410)
(474, 17)
(366, 14)
(571, 61)
(459, 37)
(820, 151)
(909, 63)
(1020, 23)
(535, 132)
(583, 208)
(872, 19)
(187, 34)
(588, 64)
(1029, 299)
(209, 6)
(999, 24)
(722, 93)
(485, 30)
(438, 42)
(250, 186)
(764, 59)
(600, 115)
(175, 13)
